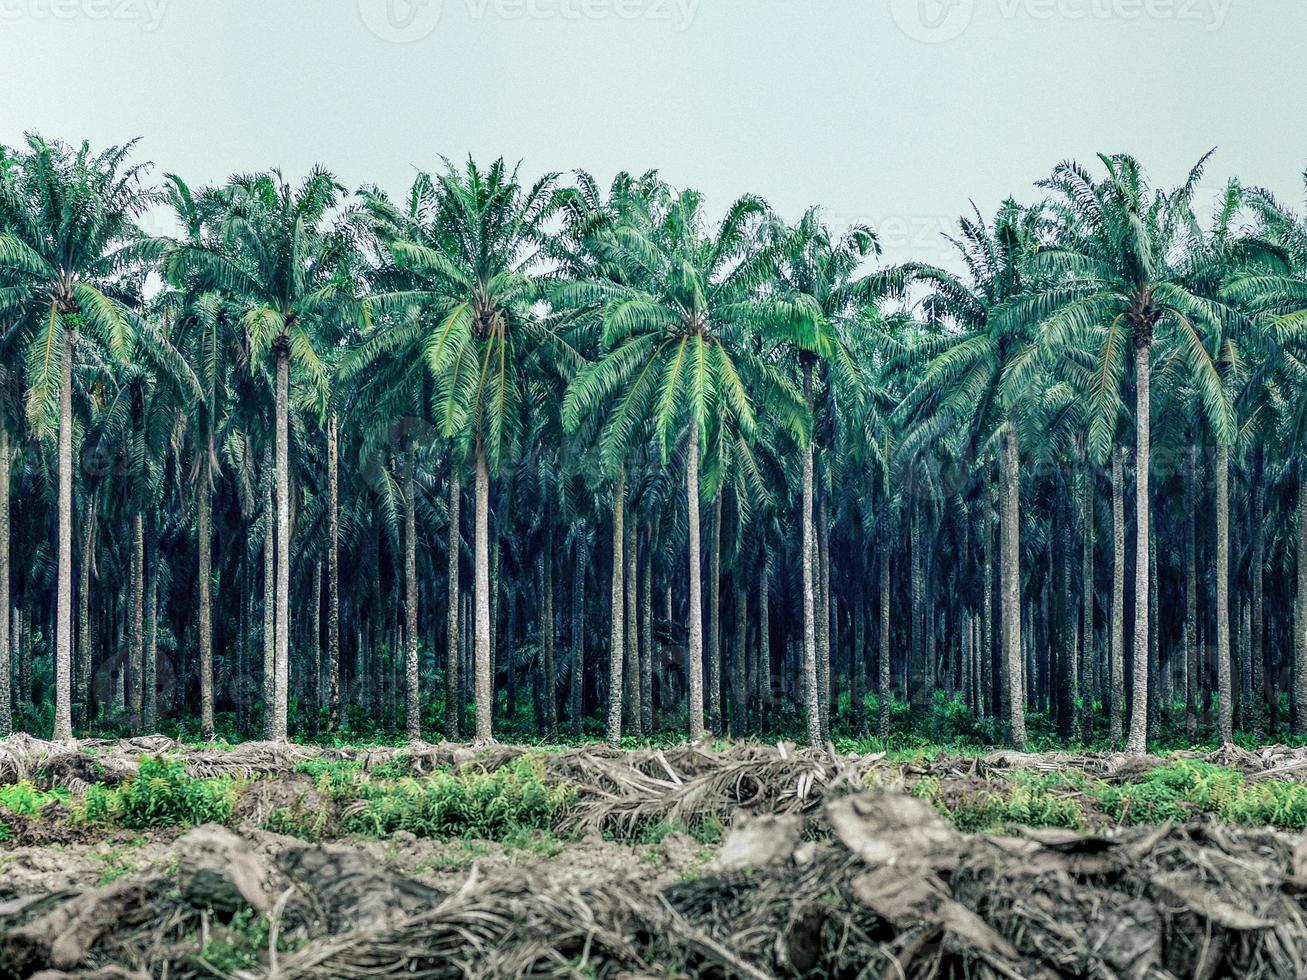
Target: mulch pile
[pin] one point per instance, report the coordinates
(878, 885)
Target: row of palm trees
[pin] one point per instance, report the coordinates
(207, 429)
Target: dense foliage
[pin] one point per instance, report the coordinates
(496, 456)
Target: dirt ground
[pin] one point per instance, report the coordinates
(821, 872)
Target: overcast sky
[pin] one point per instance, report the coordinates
(896, 112)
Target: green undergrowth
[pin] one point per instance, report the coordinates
(331, 799)
(161, 794)
(1177, 792)
(497, 805)
(24, 800)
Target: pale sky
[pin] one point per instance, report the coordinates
(896, 112)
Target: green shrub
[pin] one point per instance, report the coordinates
(1164, 794)
(476, 803)
(25, 800)
(161, 794)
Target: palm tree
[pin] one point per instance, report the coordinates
(207, 335)
(817, 294)
(471, 244)
(12, 386)
(1217, 257)
(1118, 285)
(275, 256)
(1275, 293)
(68, 243)
(967, 384)
(673, 309)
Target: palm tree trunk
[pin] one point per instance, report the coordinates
(63, 661)
(551, 678)
(617, 636)
(695, 653)
(990, 696)
(496, 658)
(481, 587)
(6, 695)
(505, 650)
(646, 639)
(883, 661)
(333, 573)
(26, 654)
(1154, 643)
(1258, 693)
(824, 675)
(630, 584)
(1191, 597)
(150, 678)
(1245, 711)
(918, 700)
(762, 680)
(282, 653)
(137, 698)
(269, 612)
(314, 670)
(85, 656)
(1225, 718)
(1137, 743)
(857, 660)
(739, 692)
(453, 693)
(808, 561)
(1011, 585)
(204, 508)
(576, 687)
(25, 660)
(1299, 677)
(1116, 708)
(715, 620)
(412, 702)
(467, 623)
(1087, 646)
